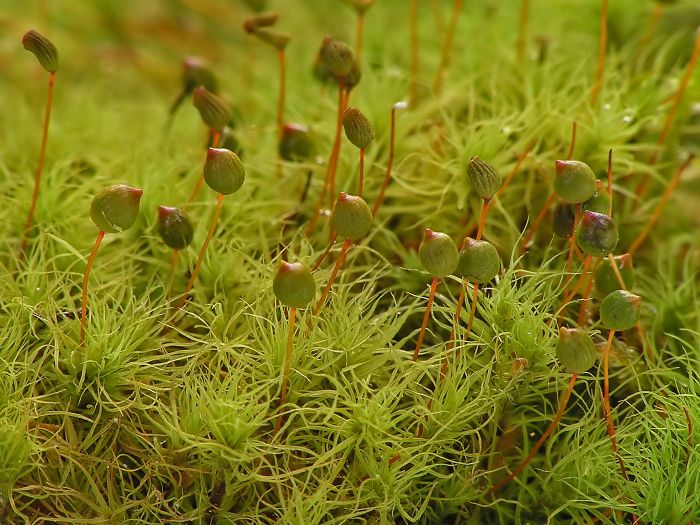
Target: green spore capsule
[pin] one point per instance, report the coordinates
(596, 234)
(42, 48)
(296, 143)
(574, 181)
(214, 110)
(358, 128)
(620, 310)
(174, 227)
(294, 284)
(360, 6)
(255, 22)
(353, 78)
(563, 220)
(484, 178)
(337, 58)
(605, 279)
(195, 73)
(275, 39)
(575, 350)
(599, 202)
(115, 208)
(223, 171)
(351, 217)
(478, 261)
(438, 253)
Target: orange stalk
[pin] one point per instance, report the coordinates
(550, 429)
(606, 405)
(522, 30)
(514, 171)
(285, 373)
(426, 316)
(659, 207)
(600, 69)
(482, 218)
(572, 145)
(319, 261)
(281, 98)
(359, 30)
(447, 46)
(171, 271)
(678, 97)
(40, 166)
(86, 280)
(198, 265)
(415, 61)
(536, 224)
(334, 274)
(390, 162)
(362, 173)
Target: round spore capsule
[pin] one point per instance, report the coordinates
(294, 284)
(478, 261)
(438, 253)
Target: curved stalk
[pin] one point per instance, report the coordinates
(198, 265)
(86, 280)
(285, 373)
(426, 316)
(40, 166)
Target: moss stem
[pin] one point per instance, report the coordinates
(334, 274)
(415, 58)
(285, 373)
(426, 316)
(607, 411)
(361, 183)
(550, 429)
(216, 137)
(600, 69)
(522, 30)
(282, 91)
(40, 166)
(447, 47)
(198, 265)
(86, 280)
(389, 165)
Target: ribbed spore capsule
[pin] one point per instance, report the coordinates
(174, 227)
(353, 78)
(484, 178)
(276, 39)
(42, 48)
(606, 280)
(620, 310)
(337, 58)
(596, 234)
(358, 128)
(478, 261)
(296, 143)
(214, 110)
(574, 181)
(115, 208)
(563, 220)
(255, 22)
(575, 350)
(294, 284)
(351, 217)
(195, 73)
(223, 171)
(438, 253)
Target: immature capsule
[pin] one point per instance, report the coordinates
(351, 217)
(42, 48)
(214, 110)
(483, 177)
(620, 310)
(195, 73)
(296, 144)
(563, 220)
(358, 128)
(596, 234)
(575, 350)
(599, 202)
(174, 227)
(223, 171)
(574, 181)
(294, 284)
(337, 58)
(115, 208)
(255, 22)
(275, 39)
(438, 253)
(478, 261)
(605, 279)
(360, 6)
